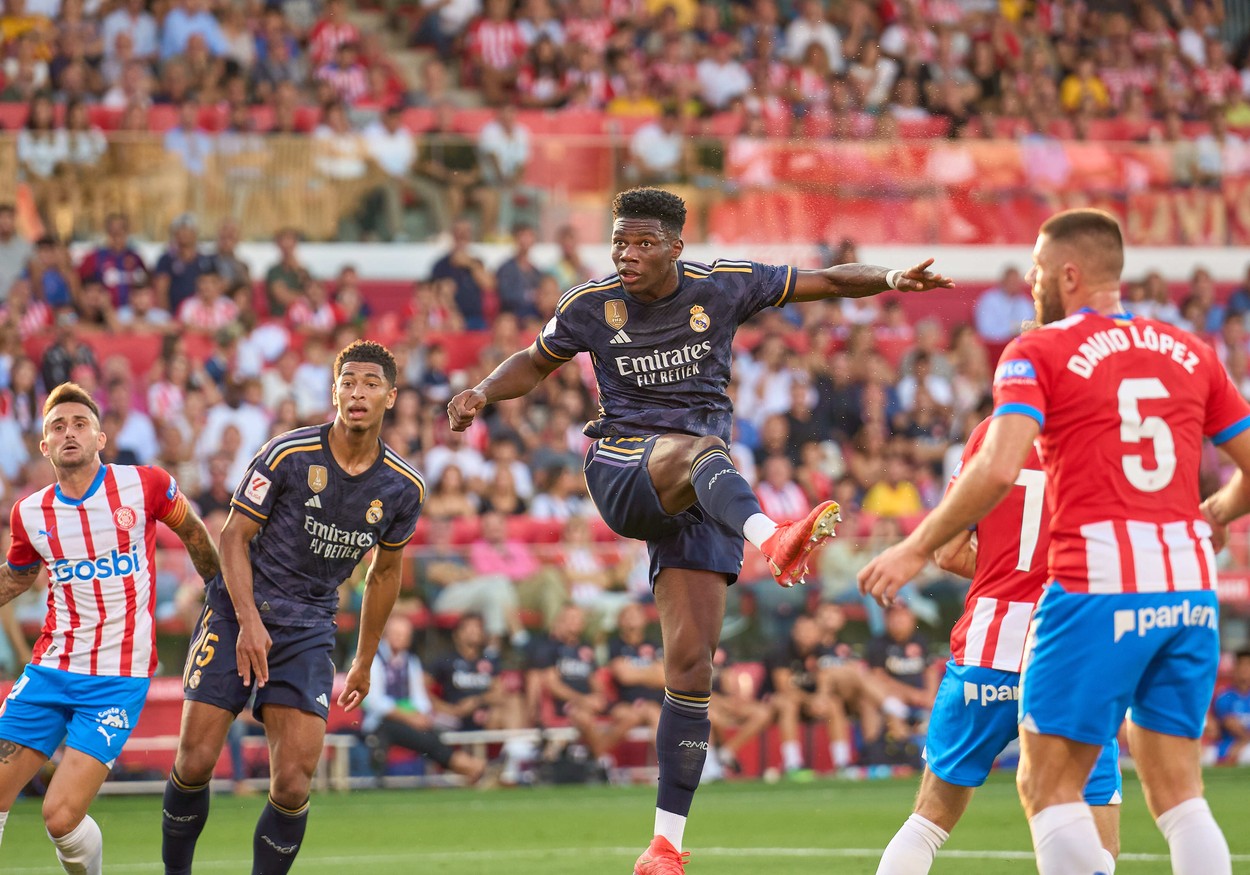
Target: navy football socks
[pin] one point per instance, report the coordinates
(183, 815)
(723, 493)
(279, 833)
(681, 744)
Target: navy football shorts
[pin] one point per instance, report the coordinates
(301, 670)
(621, 488)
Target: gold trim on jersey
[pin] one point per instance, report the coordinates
(260, 516)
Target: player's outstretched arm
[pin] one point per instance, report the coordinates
(516, 376)
(199, 543)
(865, 280)
(957, 556)
(1232, 500)
(983, 484)
(381, 588)
(252, 648)
(15, 581)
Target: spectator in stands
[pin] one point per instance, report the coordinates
(208, 310)
(504, 151)
(848, 681)
(68, 357)
(341, 156)
(658, 151)
(722, 78)
(637, 669)
(399, 713)
(15, 250)
(456, 586)
(25, 312)
(131, 18)
(116, 264)
(41, 150)
(471, 693)
(331, 30)
(278, 68)
(516, 281)
(780, 497)
(561, 499)
(799, 693)
(440, 23)
(287, 279)
(52, 274)
(1000, 309)
(1232, 710)
(95, 308)
(896, 495)
(811, 27)
(469, 274)
(141, 314)
(450, 498)
(901, 666)
(393, 148)
(189, 18)
(135, 431)
(494, 48)
(345, 74)
(193, 146)
(505, 452)
(569, 672)
(570, 269)
(178, 269)
(226, 261)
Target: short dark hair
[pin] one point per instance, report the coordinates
(1241, 654)
(1096, 230)
(651, 203)
(70, 393)
(369, 352)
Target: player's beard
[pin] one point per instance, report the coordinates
(80, 460)
(1048, 304)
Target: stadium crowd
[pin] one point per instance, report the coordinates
(208, 77)
(847, 400)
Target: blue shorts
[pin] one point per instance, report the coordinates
(621, 487)
(1089, 658)
(976, 716)
(94, 714)
(301, 670)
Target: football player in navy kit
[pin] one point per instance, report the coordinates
(660, 332)
(313, 502)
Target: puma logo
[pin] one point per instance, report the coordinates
(108, 736)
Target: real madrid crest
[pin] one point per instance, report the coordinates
(699, 321)
(374, 513)
(317, 477)
(614, 313)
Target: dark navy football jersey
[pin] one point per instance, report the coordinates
(575, 663)
(317, 523)
(460, 677)
(640, 655)
(663, 366)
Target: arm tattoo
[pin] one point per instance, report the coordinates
(199, 546)
(14, 582)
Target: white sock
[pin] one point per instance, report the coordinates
(913, 848)
(758, 528)
(1198, 847)
(791, 755)
(1108, 862)
(841, 753)
(4, 815)
(81, 850)
(671, 826)
(1066, 841)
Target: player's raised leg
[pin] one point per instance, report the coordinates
(692, 607)
(79, 844)
(184, 811)
(1052, 775)
(1171, 776)
(686, 469)
(296, 740)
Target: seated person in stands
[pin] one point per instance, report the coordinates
(845, 676)
(468, 693)
(908, 677)
(636, 664)
(738, 715)
(398, 711)
(801, 692)
(569, 672)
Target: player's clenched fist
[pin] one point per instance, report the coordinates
(464, 408)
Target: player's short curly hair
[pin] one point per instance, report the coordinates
(651, 203)
(369, 352)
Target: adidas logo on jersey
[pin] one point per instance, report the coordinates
(323, 701)
(315, 501)
(620, 337)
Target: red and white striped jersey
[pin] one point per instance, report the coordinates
(1123, 404)
(326, 36)
(498, 45)
(1011, 569)
(100, 552)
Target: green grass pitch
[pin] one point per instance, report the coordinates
(827, 827)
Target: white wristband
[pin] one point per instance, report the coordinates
(891, 278)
